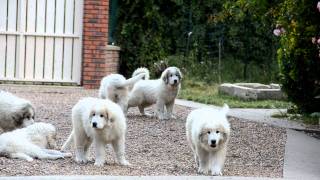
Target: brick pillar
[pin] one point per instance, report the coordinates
(99, 59)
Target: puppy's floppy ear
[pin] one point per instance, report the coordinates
(165, 76)
(203, 134)
(224, 138)
(225, 109)
(179, 73)
(105, 113)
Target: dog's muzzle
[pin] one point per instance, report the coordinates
(213, 144)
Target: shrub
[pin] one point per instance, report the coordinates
(298, 56)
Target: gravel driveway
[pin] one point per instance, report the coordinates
(153, 147)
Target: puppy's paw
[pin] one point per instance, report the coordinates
(124, 163)
(99, 163)
(81, 160)
(216, 171)
(29, 159)
(163, 117)
(149, 115)
(203, 171)
(67, 155)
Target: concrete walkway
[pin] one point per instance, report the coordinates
(258, 115)
(302, 152)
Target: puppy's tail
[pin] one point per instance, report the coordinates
(133, 80)
(142, 70)
(225, 109)
(68, 142)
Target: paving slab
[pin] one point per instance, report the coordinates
(258, 115)
(302, 156)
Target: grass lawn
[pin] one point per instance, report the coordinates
(208, 94)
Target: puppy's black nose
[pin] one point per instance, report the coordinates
(175, 81)
(94, 124)
(213, 141)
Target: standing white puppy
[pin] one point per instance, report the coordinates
(208, 132)
(161, 92)
(116, 88)
(100, 121)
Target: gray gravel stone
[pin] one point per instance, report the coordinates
(153, 147)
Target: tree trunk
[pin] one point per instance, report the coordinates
(245, 68)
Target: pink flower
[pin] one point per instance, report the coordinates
(318, 6)
(318, 41)
(277, 32)
(314, 40)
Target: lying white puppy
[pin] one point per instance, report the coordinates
(101, 121)
(116, 88)
(161, 92)
(35, 141)
(208, 132)
(15, 112)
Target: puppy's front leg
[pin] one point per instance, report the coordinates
(160, 109)
(203, 158)
(21, 156)
(169, 108)
(119, 148)
(218, 160)
(100, 153)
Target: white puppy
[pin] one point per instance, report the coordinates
(34, 141)
(101, 121)
(208, 132)
(15, 112)
(161, 92)
(116, 88)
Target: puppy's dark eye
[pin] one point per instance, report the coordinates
(101, 115)
(208, 132)
(28, 117)
(93, 114)
(32, 117)
(171, 75)
(217, 132)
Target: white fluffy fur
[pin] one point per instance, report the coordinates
(142, 70)
(34, 141)
(208, 132)
(116, 88)
(15, 112)
(161, 92)
(101, 121)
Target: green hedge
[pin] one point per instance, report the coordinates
(298, 57)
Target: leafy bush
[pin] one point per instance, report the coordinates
(298, 56)
(149, 31)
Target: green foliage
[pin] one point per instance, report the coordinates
(298, 57)
(149, 31)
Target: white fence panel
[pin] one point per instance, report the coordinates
(40, 40)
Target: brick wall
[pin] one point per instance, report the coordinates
(99, 59)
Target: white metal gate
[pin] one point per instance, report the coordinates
(40, 40)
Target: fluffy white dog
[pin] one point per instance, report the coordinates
(161, 92)
(116, 88)
(15, 112)
(101, 121)
(35, 141)
(208, 132)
